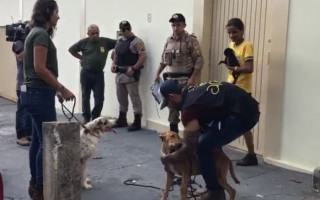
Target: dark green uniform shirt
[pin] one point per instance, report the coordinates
(39, 37)
(94, 53)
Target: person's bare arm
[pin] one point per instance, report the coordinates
(113, 65)
(140, 62)
(246, 68)
(75, 54)
(160, 69)
(189, 144)
(20, 56)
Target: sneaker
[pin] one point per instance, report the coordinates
(248, 160)
(29, 138)
(23, 142)
(214, 195)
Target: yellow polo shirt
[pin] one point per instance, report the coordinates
(243, 52)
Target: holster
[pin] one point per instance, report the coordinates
(124, 69)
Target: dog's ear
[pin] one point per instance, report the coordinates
(99, 123)
(162, 136)
(85, 131)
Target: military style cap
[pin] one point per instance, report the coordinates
(166, 88)
(177, 17)
(124, 25)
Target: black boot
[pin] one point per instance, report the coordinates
(31, 188)
(121, 121)
(174, 128)
(136, 125)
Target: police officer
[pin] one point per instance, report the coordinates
(181, 60)
(94, 52)
(128, 59)
(213, 114)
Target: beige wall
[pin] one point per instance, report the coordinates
(300, 144)
(7, 68)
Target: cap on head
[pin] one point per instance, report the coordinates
(124, 25)
(177, 17)
(166, 88)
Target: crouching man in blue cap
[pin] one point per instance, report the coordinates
(213, 114)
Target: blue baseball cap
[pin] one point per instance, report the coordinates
(168, 87)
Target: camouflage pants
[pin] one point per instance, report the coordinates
(131, 89)
(174, 114)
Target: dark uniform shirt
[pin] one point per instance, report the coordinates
(94, 53)
(39, 37)
(215, 101)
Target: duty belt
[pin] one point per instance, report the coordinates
(122, 69)
(175, 75)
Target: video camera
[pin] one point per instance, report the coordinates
(17, 31)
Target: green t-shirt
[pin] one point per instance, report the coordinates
(94, 53)
(39, 37)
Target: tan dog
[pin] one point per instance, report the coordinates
(89, 138)
(172, 142)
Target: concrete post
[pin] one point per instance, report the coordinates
(61, 161)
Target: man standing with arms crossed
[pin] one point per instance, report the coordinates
(181, 59)
(94, 52)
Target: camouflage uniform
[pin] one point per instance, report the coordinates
(127, 54)
(130, 85)
(181, 55)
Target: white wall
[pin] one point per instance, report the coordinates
(9, 9)
(67, 33)
(108, 15)
(301, 138)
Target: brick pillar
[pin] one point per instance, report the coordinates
(61, 161)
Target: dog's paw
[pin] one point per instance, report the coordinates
(87, 186)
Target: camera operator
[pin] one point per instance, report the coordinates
(23, 120)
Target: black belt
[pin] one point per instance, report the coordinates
(94, 72)
(176, 75)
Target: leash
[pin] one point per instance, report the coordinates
(192, 181)
(63, 108)
(132, 182)
(177, 181)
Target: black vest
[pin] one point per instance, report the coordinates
(221, 95)
(124, 57)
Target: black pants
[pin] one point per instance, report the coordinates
(92, 81)
(215, 138)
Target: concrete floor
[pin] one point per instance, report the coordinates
(136, 156)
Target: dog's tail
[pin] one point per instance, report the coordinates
(233, 175)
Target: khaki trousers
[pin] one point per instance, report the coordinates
(132, 88)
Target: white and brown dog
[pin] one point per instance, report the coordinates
(89, 137)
